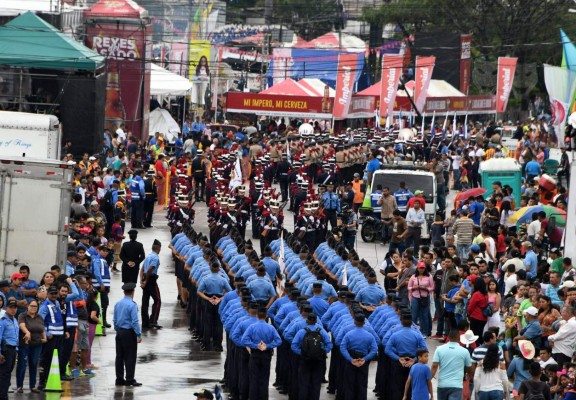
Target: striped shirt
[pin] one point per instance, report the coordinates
(463, 229)
(480, 352)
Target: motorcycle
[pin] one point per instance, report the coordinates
(371, 229)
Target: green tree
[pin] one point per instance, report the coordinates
(308, 19)
(519, 28)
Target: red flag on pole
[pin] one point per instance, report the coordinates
(391, 72)
(422, 78)
(506, 70)
(345, 78)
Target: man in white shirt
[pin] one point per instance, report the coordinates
(121, 133)
(415, 218)
(563, 341)
(510, 279)
(533, 230)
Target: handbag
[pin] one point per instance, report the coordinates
(422, 301)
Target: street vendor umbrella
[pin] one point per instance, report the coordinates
(474, 192)
(524, 215)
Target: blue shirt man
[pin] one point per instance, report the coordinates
(152, 262)
(405, 341)
(402, 196)
(126, 315)
(530, 261)
(214, 284)
(261, 288)
(358, 343)
(372, 295)
(261, 332)
(311, 326)
(533, 168)
(330, 202)
(9, 326)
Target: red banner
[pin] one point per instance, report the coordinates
(506, 70)
(276, 105)
(127, 53)
(391, 72)
(345, 78)
(423, 76)
(465, 62)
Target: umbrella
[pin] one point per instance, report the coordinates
(524, 215)
(474, 192)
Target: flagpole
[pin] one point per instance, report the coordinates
(423, 123)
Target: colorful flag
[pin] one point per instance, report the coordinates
(391, 72)
(505, 80)
(346, 76)
(423, 76)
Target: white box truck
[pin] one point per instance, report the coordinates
(35, 197)
(29, 135)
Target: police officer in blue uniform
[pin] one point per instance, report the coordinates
(138, 193)
(8, 346)
(261, 338)
(312, 366)
(128, 335)
(4, 289)
(212, 288)
(358, 348)
(149, 284)
(401, 348)
(331, 204)
(54, 324)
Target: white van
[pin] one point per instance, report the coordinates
(416, 178)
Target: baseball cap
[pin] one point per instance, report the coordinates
(475, 248)
(567, 284)
(11, 303)
(16, 275)
(533, 311)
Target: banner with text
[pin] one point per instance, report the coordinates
(276, 105)
(506, 70)
(423, 76)
(391, 72)
(465, 62)
(347, 74)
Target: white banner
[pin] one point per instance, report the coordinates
(560, 84)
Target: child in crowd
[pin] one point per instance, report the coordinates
(419, 381)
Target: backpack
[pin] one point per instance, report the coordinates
(106, 202)
(312, 345)
(534, 392)
(488, 310)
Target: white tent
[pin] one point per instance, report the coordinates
(166, 83)
(161, 121)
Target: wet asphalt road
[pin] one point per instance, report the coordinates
(170, 364)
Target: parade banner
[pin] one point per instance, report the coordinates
(276, 105)
(345, 79)
(465, 62)
(505, 79)
(423, 76)
(391, 72)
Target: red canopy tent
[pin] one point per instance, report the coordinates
(289, 87)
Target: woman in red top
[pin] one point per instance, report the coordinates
(501, 242)
(161, 174)
(477, 303)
